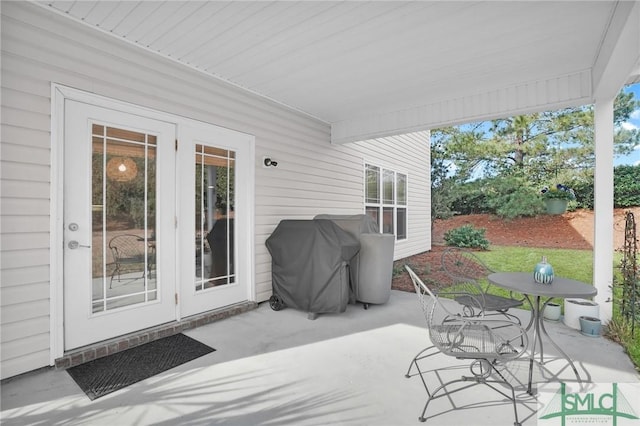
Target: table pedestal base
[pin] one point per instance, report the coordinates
(537, 322)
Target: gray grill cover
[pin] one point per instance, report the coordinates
(372, 268)
(355, 224)
(309, 264)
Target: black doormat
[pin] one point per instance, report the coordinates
(111, 373)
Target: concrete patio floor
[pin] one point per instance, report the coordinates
(281, 368)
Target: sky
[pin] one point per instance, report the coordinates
(634, 122)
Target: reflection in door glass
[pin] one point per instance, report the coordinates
(214, 234)
(123, 218)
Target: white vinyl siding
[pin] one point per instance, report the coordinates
(313, 176)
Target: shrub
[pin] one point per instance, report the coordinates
(399, 269)
(558, 192)
(470, 198)
(510, 197)
(441, 200)
(506, 196)
(626, 186)
(583, 188)
(467, 236)
(519, 204)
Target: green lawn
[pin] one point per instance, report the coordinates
(575, 264)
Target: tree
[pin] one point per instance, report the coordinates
(545, 143)
(441, 184)
(538, 149)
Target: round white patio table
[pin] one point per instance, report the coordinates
(522, 282)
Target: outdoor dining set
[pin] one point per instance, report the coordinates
(480, 329)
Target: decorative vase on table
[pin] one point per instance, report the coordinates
(556, 205)
(543, 272)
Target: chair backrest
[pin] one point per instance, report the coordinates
(127, 247)
(462, 264)
(431, 305)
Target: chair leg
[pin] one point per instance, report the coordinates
(116, 270)
(415, 360)
(478, 379)
(513, 392)
(519, 323)
(433, 396)
(516, 319)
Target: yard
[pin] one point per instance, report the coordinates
(572, 230)
(553, 233)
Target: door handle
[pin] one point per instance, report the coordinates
(73, 244)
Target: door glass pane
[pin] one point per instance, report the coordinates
(123, 218)
(214, 234)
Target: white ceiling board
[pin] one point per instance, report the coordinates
(169, 36)
(156, 22)
(118, 12)
(226, 33)
(341, 61)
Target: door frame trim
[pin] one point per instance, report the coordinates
(59, 94)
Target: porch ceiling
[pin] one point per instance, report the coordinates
(354, 63)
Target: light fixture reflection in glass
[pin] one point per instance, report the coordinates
(121, 169)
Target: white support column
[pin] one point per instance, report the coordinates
(603, 207)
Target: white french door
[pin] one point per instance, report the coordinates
(155, 230)
(119, 233)
(215, 217)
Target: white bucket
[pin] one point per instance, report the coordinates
(552, 312)
(576, 308)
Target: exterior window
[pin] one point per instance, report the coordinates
(387, 186)
(373, 184)
(386, 199)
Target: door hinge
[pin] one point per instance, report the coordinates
(176, 298)
(176, 144)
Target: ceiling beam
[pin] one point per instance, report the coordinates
(534, 96)
(619, 55)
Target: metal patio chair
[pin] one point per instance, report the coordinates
(466, 269)
(469, 338)
(129, 252)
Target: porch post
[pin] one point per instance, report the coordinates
(603, 207)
